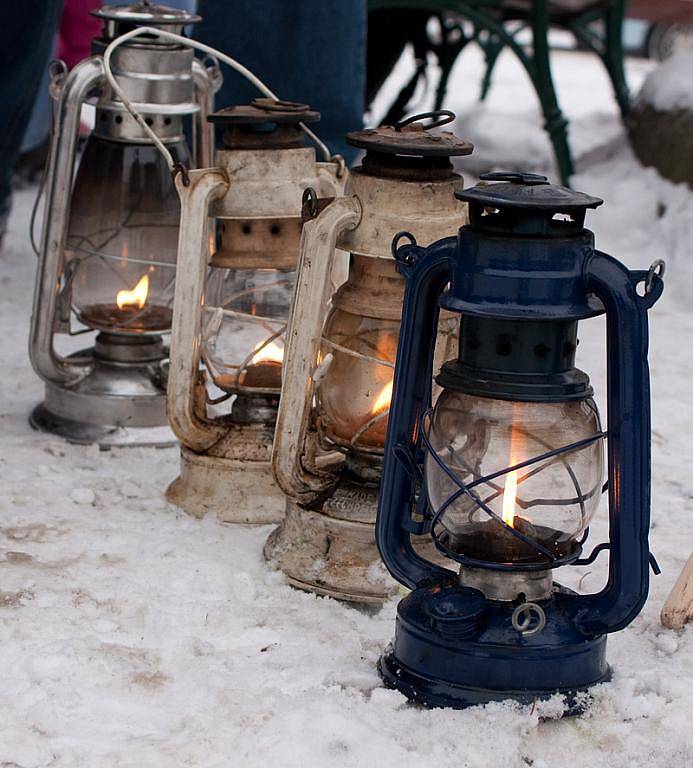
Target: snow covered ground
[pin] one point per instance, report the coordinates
(132, 635)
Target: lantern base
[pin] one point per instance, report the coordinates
(332, 552)
(453, 648)
(235, 491)
(120, 401)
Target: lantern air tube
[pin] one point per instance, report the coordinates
(426, 279)
(628, 445)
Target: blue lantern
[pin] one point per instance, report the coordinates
(506, 470)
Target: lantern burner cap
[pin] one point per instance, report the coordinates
(146, 14)
(408, 150)
(526, 190)
(265, 124)
(263, 111)
(412, 138)
(526, 204)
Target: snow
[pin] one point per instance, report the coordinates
(670, 86)
(135, 636)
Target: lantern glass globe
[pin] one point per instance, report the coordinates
(551, 501)
(353, 396)
(244, 321)
(122, 237)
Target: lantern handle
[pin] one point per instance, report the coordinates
(207, 79)
(427, 272)
(438, 118)
(45, 320)
(302, 341)
(628, 416)
(184, 404)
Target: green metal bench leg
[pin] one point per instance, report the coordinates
(554, 122)
(613, 19)
(492, 49)
(537, 66)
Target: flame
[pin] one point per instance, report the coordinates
(510, 490)
(137, 297)
(383, 400)
(509, 497)
(271, 352)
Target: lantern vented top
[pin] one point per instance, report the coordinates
(409, 149)
(122, 18)
(264, 123)
(526, 204)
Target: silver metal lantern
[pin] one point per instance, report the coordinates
(107, 255)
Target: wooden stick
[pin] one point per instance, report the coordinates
(678, 608)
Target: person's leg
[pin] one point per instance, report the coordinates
(27, 30)
(312, 52)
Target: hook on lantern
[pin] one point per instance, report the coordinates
(439, 117)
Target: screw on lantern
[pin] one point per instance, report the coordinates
(528, 619)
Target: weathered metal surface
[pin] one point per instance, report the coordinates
(235, 490)
(193, 429)
(312, 293)
(428, 210)
(254, 243)
(411, 138)
(270, 182)
(329, 555)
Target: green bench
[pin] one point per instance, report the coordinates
(496, 24)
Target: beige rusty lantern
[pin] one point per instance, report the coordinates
(232, 303)
(340, 356)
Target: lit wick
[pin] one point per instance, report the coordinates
(135, 298)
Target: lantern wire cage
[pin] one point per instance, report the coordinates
(259, 336)
(377, 418)
(121, 241)
(546, 558)
(374, 423)
(88, 249)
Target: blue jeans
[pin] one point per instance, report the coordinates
(312, 51)
(27, 29)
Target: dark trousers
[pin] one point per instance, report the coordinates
(311, 51)
(27, 29)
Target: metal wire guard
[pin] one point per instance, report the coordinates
(549, 560)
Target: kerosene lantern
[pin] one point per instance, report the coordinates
(108, 244)
(341, 350)
(227, 343)
(506, 470)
